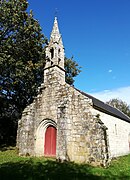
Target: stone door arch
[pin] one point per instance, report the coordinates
(40, 137)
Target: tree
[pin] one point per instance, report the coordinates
(121, 105)
(22, 60)
(21, 52)
(72, 70)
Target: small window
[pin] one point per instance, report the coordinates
(52, 52)
(115, 129)
(59, 60)
(59, 51)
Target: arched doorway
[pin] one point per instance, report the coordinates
(46, 127)
(50, 141)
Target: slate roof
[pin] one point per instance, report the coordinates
(103, 107)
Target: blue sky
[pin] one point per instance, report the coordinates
(97, 34)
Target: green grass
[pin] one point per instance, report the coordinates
(26, 168)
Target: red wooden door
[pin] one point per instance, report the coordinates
(50, 141)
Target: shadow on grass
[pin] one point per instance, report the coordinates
(47, 170)
(50, 170)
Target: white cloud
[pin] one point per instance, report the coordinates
(122, 93)
(110, 70)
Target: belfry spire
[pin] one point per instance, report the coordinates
(55, 34)
(55, 51)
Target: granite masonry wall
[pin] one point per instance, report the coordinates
(81, 136)
(118, 133)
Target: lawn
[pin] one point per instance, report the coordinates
(26, 168)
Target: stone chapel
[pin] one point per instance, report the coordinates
(68, 124)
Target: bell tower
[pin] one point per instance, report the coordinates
(54, 68)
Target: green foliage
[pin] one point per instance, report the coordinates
(21, 60)
(121, 105)
(14, 167)
(21, 52)
(72, 70)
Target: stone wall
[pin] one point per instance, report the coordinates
(118, 133)
(85, 134)
(25, 133)
(80, 135)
